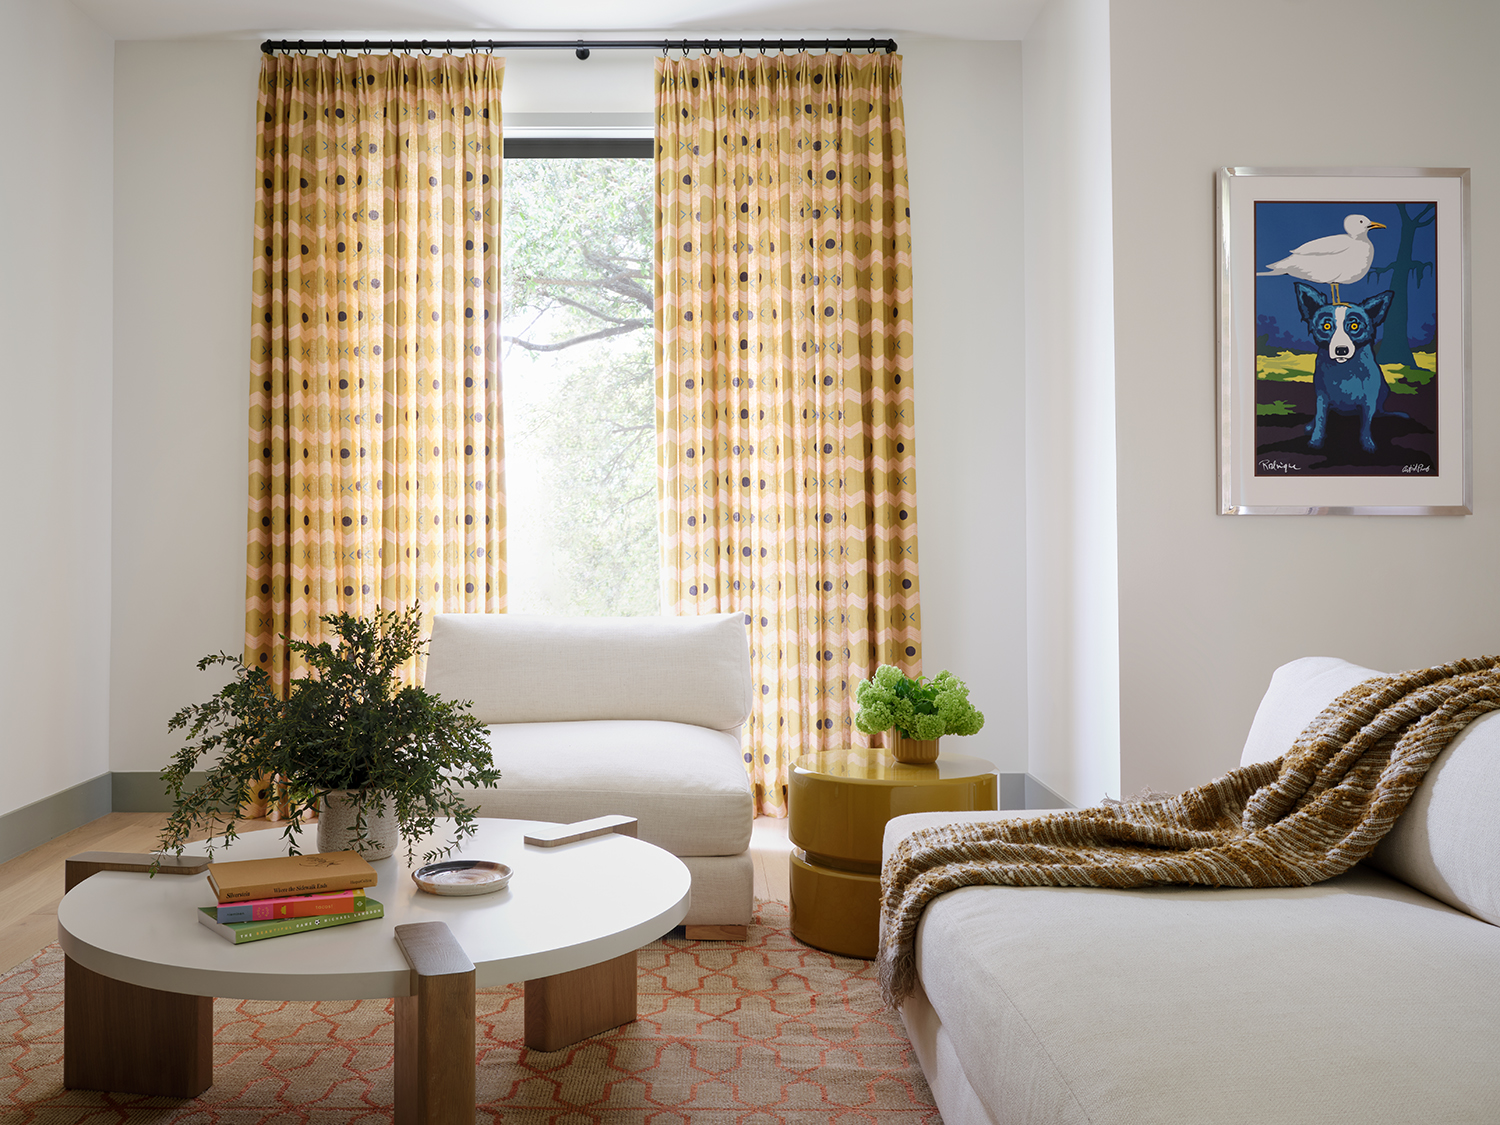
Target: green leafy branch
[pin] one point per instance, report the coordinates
(349, 724)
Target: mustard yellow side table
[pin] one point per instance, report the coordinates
(839, 802)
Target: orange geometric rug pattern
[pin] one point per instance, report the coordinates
(762, 1032)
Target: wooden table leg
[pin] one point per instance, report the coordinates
(132, 1040)
(122, 1037)
(435, 1081)
(564, 1009)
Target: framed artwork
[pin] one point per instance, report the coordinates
(1344, 341)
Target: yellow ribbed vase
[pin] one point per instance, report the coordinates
(912, 751)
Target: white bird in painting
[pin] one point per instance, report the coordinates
(1333, 261)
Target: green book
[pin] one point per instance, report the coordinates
(241, 932)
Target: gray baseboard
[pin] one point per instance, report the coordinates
(33, 825)
(143, 791)
(146, 792)
(1022, 791)
(1012, 790)
(1038, 796)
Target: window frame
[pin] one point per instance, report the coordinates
(579, 148)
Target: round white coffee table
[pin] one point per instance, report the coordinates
(142, 970)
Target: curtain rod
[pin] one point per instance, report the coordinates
(580, 47)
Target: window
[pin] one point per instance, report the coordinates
(578, 377)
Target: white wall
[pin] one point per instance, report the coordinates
(55, 245)
(1207, 605)
(1072, 639)
(184, 181)
(963, 146)
(1210, 604)
(556, 82)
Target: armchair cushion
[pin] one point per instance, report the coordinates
(686, 786)
(523, 669)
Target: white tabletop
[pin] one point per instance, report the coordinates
(565, 908)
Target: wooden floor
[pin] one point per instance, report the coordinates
(771, 850)
(31, 884)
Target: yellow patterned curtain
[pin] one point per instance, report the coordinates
(784, 391)
(376, 462)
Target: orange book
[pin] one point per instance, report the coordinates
(291, 906)
(320, 873)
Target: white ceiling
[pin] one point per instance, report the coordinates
(219, 19)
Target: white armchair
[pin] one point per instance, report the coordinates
(634, 715)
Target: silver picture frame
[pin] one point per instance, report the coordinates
(1320, 453)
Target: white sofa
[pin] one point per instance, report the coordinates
(1370, 999)
(641, 716)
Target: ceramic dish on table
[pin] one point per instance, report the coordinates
(462, 877)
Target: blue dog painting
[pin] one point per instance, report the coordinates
(1346, 378)
(1346, 338)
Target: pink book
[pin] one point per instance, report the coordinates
(292, 906)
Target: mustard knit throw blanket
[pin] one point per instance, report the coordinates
(1310, 815)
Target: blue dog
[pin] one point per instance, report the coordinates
(1346, 377)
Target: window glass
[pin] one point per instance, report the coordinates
(578, 379)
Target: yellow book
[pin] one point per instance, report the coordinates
(319, 873)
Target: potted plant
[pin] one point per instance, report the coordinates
(371, 756)
(917, 712)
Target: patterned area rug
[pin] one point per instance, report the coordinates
(762, 1032)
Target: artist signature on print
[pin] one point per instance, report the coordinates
(1271, 465)
(1416, 468)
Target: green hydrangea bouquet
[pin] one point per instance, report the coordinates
(920, 709)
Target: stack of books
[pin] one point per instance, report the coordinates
(266, 898)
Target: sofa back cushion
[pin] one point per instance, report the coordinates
(1447, 842)
(524, 669)
(1298, 693)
